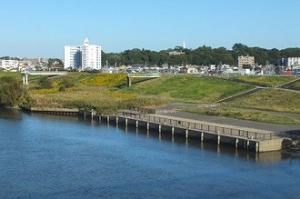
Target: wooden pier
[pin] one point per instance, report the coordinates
(56, 111)
(240, 137)
(251, 139)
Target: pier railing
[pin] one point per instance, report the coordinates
(211, 128)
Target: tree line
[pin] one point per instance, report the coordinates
(203, 55)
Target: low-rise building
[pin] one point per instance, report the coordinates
(176, 53)
(9, 64)
(192, 70)
(246, 61)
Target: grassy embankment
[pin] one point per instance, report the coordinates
(295, 86)
(17, 75)
(189, 89)
(103, 92)
(10, 74)
(269, 105)
(85, 90)
(265, 81)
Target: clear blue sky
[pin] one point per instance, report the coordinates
(35, 28)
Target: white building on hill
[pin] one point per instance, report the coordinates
(91, 56)
(72, 57)
(86, 57)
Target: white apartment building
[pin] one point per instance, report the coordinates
(72, 57)
(86, 57)
(291, 62)
(91, 56)
(9, 64)
(246, 61)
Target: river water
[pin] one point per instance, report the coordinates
(58, 157)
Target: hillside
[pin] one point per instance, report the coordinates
(190, 88)
(106, 93)
(267, 81)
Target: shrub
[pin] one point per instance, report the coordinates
(12, 92)
(65, 83)
(44, 82)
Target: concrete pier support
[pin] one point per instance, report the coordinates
(126, 122)
(219, 139)
(187, 134)
(129, 81)
(248, 144)
(202, 136)
(257, 147)
(137, 124)
(159, 128)
(117, 121)
(25, 79)
(148, 126)
(236, 143)
(92, 115)
(173, 131)
(108, 119)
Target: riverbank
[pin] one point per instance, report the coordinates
(107, 93)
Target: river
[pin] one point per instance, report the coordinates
(60, 157)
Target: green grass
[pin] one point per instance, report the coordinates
(268, 81)
(10, 74)
(17, 75)
(190, 88)
(270, 99)
(108, 80)
(295, 86)
(89, 90)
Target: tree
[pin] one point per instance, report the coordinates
(54, 63)
(12, 92)
(204, 55)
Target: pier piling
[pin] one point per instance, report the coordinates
(236, 143)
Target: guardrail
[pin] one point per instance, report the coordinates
(199, 126)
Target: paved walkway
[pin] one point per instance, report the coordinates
(236, 122)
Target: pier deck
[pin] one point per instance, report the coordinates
(253, 139)
(248, 138)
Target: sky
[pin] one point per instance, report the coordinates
(41, 28)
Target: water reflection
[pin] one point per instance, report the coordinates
(10, 114)
(210, 145)
(166, 136)
(44, 156)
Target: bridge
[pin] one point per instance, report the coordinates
(140, 75)
(41, 73)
